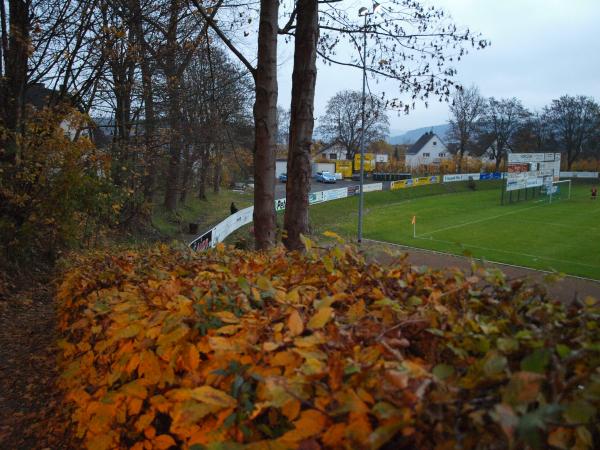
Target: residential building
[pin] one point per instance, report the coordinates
(429, 149)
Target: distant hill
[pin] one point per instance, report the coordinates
(410, 137)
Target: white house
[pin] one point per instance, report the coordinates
(429, 149)
(333, 152)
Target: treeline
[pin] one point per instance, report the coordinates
(569, 125)
(174, 82)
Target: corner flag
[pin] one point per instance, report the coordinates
(414, 224)
(414, 220)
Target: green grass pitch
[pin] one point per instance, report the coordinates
(563, 236)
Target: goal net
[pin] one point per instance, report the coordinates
(558, 190)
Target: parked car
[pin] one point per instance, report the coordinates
(283, 177)
(325, 177)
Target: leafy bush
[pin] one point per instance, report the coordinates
(167, 349)
(55, 195)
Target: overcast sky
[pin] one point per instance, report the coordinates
(541, 49)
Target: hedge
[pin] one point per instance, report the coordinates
(231, 349)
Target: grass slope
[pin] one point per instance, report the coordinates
(204, 212)
(562, 236)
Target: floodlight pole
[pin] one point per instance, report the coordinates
(361, 195)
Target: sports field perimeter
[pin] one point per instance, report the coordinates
(562, 236)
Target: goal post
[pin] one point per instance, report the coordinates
(554, 189)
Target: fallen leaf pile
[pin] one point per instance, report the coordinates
(230, 349)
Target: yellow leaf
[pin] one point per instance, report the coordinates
(336, 236)
(270, 346)
(128, 332)
(174, 336)
(264, 284)
(293, 296)
(328, 263)
(228, 330)
(163, 442)
(320, 318)
(295, 323)
(227, 317)
(212, 396)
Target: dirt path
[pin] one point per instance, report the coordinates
(566, 289)
(31, 416)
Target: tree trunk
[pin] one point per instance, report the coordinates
(172, 188)
(186, 173)
(301, 123)
(12, 87)
(459, 160)
(265, 125)
(499, 154)
(218, 171)
(203, 173)
(149, 178)
(173, 93)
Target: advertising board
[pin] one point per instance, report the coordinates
(401, 184)
(353, 190)
(526, 170)
(461, 177)
(315, 197)
(202, 242)
(280, 204)
(373, 187)
(490, 176)
(579, 174)
(334, 194)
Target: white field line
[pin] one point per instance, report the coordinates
(478, 221)
(513, 253)
(409, 247)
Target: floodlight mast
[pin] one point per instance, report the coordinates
(363, 12)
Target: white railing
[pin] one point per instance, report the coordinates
(219, 232)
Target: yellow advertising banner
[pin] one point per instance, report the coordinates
(412, 182)
(401, 184)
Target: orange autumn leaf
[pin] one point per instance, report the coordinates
(163, 442)
(310, 425)
(295, 324)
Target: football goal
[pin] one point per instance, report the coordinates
(559, 190)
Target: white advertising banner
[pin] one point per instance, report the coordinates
(315, 197)
(528, 157)
(334, 194)
(579, 174)
(461, 177)
(373, 187)
(230, 224)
